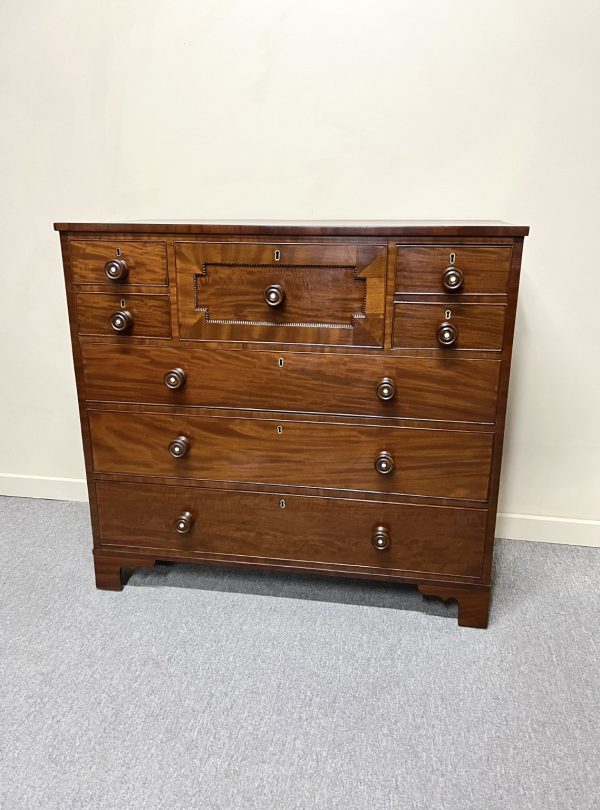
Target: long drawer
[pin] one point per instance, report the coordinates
(452, 389)
(296, 529)
(431, 463)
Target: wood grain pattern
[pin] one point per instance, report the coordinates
(452, 389)
(438, 506)
(334, 294)
(480, 326)
(431, 463)
(146, 261)
(151, 314)
(299, 529)
(485, 269)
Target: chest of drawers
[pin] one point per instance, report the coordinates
(315, 397)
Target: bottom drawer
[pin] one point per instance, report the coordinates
(302, 529)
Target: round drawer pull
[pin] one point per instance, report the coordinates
(274, 295)
(184, 523)
(384, 463)
(121, 321)
(380, 539)
(452, 279)
(447, 334)
(179, 447)
(116, 270)
(175, 378)
(386, 389)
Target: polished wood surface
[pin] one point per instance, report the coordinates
(420, 269)
(331, 293)
(452, 389)
(391, 228)
(151, 314)
(200, 419)
(480, 326)
(431, 463)
(146, 261)
(299, 529)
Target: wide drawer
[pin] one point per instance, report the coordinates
(296, 529)
(283, 293)
(471, 326)
(137, 262)
(433, 463)
(457, 269)
(150, 314)
(452, 389)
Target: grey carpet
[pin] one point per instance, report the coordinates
(218, 689)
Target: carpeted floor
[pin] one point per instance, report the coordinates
(219, 690)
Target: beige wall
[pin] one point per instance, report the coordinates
(128, 110)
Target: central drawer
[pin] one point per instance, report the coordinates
(431, 463)
(283, 293)
(448, 389)
(291, 529)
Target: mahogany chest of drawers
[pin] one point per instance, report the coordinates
(314, 397)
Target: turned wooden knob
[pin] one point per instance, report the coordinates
(274, 295)
(175, 378)
(116, 270)
(179, 446)
(381, 538)
(386, 389)
(452, 279)
(121, 321)
(384, 463)
(184, 523)
(447, 334)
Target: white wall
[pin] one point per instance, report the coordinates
(466, 109)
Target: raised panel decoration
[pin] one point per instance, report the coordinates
(287, 293)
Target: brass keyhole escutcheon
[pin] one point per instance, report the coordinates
(282, 504)
(277, 255)
(280, 362)
(118, 252)
(452, 258)
(279, 430)
(123, 304)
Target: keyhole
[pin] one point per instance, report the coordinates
(452, 258)
(123, 304)
(448, 314)
(279, 430)
(280, 362)
(282, 504)
(277, 255)
(118, 252)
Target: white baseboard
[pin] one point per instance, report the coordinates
(41, 486)
(570, 531)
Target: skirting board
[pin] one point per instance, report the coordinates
(569, 531)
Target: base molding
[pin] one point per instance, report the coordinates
(543, 529)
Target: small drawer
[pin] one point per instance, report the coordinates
(305, 531)
(458, 269)
(397, 460)
(450, 327)
(451, 389)
(120, 263)
(128, 315)
(331, 294)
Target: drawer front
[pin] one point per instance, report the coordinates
(474, 326)
(137, 262)
(452, 389)
(322, 294)
(150, 315)
(432, 463)
(292, 528)
(478, 270)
